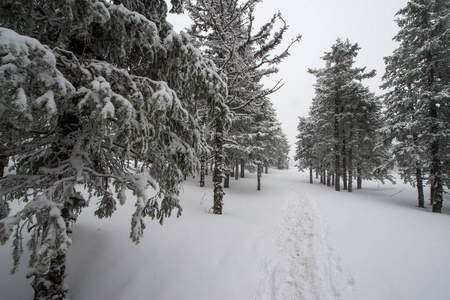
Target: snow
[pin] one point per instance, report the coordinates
(292, 240)
(21, 99)
(48, 98)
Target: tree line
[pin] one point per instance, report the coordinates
(351, 133)
(104, 97)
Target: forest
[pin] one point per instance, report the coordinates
(103, 103)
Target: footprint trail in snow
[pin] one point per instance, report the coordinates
(304, 265)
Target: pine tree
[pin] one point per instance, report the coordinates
(225, 31)
(305, 150)
(88, 86)
(417, 103)
(342, 136)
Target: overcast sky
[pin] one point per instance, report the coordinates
(320, 22)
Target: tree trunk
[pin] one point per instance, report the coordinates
(350, 170)
(332, 179)
(218, 169)
(419, 184)
(236, 170)
(436, 169)
(4, 207)
(337, 154)
(266, 169)
(259, 174)
(206, 168)
(3, 164)
(202, 172)
(344, 165)
(321, 176)
(436, 180)
(242, 168)
(328, 177)
(359, 178)
(436, 191)
(419, 180)
(227, 180)
(317, 174)
(438, 199)
(337, 173)
(311, 175)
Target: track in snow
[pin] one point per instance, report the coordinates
(303, 266)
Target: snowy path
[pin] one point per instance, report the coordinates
(304, 265)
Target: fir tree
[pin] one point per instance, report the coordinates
(344, 126)
(305, 150)
(417, 104)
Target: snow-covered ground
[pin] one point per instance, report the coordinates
(292, 240)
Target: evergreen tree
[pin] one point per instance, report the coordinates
(342, 136)
(305, 150)
(224, 30)
(86, 87)
(417, 103)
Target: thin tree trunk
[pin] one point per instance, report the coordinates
(236, 170)
(359, 177)
(350, 170)
(202, 172)
(259, 173)
(242, 168)
(3, 164)
(332, 179)
(419, 180)
(337, 173)
(266, 169)
(317, 174)
(419, 184)
(226, 184)
(328, 177)
(218, 169)
(344, 165)
(227, 173)
(321, 176)
(337, 156)
(4, 206)
(436, 181)
(436, 169)
(206, 168)
(311, 175)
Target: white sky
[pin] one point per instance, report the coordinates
(320, 22)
